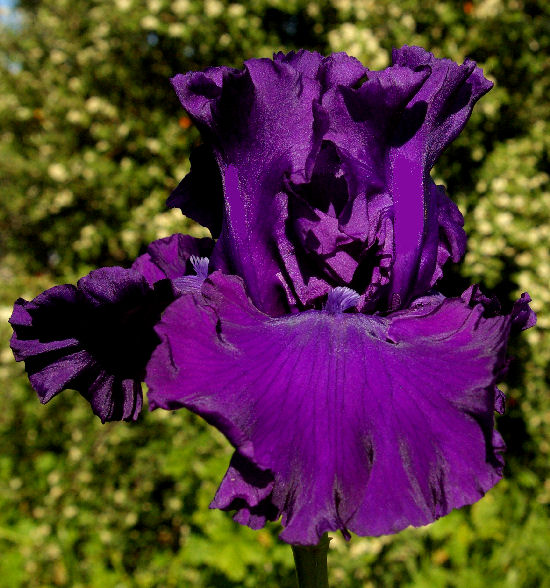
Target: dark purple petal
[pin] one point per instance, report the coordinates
(110, 285)
(114, 399)
(197, 90)
(340, 421)
(50, 373)
(27, 318)
(247, 489)
(500, 401)
(389, 133)
(433, 118)
(338, 69)
(259, 119)
(95, 338)
(302, 61)
(200, 194)
(242, 248)
(347, 191)
(363, 120)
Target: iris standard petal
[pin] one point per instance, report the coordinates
(448, 96)
(336, 69)
(340, 421)
(200, 194)
(333, 164)
(434, 117)
(389, 132)
(261, 122)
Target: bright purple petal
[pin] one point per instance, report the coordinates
(340, 421)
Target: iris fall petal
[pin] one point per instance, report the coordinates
(96, 337)
(340, 421)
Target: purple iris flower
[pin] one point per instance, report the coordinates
(97, 337)
(357, 397)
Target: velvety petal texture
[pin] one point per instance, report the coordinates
(97, 337)
(329, 173)
(341, 421)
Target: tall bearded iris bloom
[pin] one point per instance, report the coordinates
(310, 332)
(357, 397)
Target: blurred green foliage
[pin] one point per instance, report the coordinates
(92, 140)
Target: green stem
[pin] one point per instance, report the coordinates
(311, 564)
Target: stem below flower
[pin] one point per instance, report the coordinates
(311, 564)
